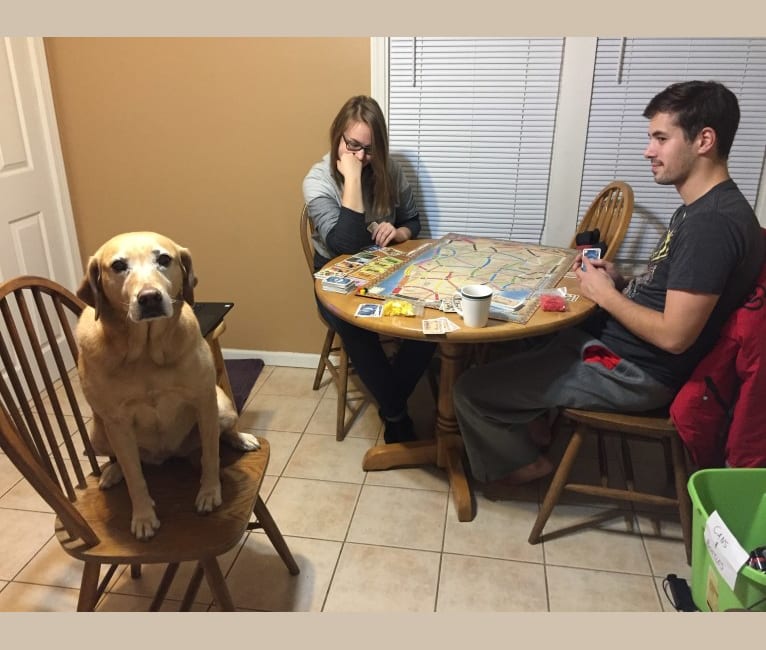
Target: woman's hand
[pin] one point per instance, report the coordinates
(386, 233)
(350, 166)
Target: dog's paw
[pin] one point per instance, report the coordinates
(244, 441)
(208, 498)
(111, 475)
(144, 524)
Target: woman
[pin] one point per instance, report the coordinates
(357, 196)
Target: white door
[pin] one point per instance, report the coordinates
(37, 234)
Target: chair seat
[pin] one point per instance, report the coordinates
(649, 423)
(655, 426)
(173, 486)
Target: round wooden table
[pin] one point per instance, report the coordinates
(445, 450)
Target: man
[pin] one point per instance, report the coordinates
(648, 334)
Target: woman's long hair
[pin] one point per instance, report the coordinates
(362, 108)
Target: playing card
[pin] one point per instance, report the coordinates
(386, 262)
(372, 227)
(449, 326)
(447, 306)
(365, 257)
(591, 254)
(356, 260)
(393, 260)
(347, 265)
(433, 326)
(366, 273)
(369, 310)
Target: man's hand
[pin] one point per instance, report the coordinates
(597, 280)
(672, 330)
(609, 267)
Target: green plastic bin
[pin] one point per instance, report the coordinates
(739, 496)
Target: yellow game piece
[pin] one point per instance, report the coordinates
(398, 308)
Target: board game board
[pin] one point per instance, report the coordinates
(517, 272)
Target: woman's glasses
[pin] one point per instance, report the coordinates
(353, 145)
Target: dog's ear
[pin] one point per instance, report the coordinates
(90, 289)
(190, 280)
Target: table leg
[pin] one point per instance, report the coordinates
(446, 449)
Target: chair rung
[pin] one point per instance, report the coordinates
(624, 495)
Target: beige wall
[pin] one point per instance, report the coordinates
(207, 140)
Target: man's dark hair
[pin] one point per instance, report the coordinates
(697, 104)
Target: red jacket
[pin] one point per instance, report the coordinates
(719, 412)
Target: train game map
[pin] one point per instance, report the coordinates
(516, 271)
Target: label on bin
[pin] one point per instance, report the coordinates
(725, 551)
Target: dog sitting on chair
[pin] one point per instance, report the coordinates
(146, 371)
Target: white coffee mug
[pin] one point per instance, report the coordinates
(472, 303)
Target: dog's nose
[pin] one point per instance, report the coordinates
(149, 298)
(151, 304)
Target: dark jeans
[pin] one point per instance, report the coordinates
(390, 382)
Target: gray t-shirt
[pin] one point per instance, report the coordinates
(713, 245)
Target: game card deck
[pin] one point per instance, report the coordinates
(338, 284)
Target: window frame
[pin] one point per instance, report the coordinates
(569, 138)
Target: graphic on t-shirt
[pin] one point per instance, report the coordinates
(661, 252)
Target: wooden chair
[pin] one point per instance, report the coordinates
(656, 427)
(43, 431)
(610, 212)
(332, 347)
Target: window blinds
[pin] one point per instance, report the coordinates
(625, 80)
(472, 122)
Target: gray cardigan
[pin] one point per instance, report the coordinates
(342, 230)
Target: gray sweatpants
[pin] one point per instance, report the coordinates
(494, 402)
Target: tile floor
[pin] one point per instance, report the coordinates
(375, 542)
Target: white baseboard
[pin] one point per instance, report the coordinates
(287, 359)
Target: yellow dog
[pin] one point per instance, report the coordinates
(146, 371)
